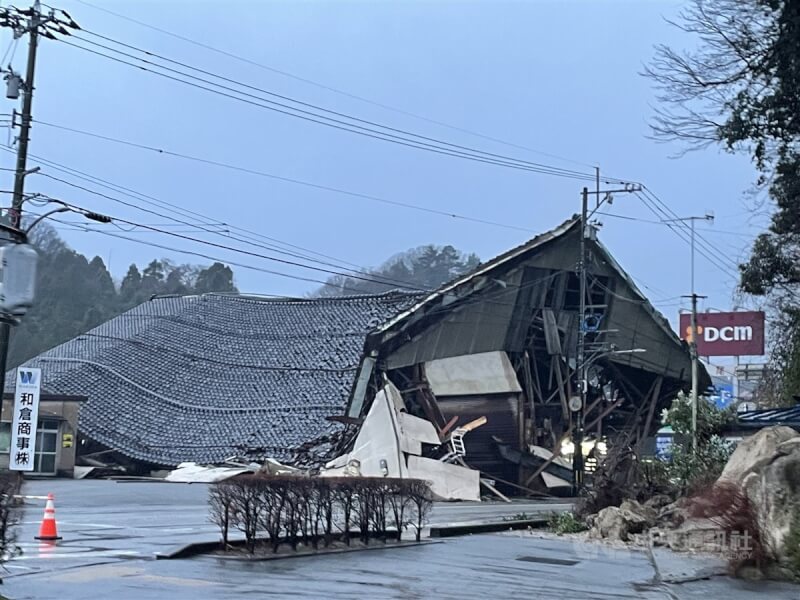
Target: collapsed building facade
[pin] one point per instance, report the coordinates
(499, 344)
(477, 375)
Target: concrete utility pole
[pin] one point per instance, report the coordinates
(34, 23)
(581, 362)
(18, 198)
(693, 329)
(25, 120)
(577, 439)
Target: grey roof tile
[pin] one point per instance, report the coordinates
(198, 377)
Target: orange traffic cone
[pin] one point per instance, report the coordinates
(48, 530)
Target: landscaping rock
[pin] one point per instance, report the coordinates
(755, 452)
(610, 524)
(618, 523)
(658, 502)
(774, 489)
(635, 512)
(673, 514)
(693, 535)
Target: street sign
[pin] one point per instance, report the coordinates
(721, 391)
(726, 333)
(26, 416)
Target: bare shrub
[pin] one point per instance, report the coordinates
(728, 506)
(220, 505)
(344, 499)
(421, 499)
(10, 485)
(363, 506)
(399, 501)
(274, 496)
(246, 506)
(292, 510)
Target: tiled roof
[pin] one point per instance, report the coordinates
(193, 377)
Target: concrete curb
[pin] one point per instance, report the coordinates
(456, 529)
(205, 548)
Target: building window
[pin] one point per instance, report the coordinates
(44, 461)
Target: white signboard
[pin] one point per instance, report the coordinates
(26, 416)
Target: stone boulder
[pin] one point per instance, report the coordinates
(692, 535)
(673, 514)
(636, 514)
(658, 502)
(609, 524)
(755, 452)
(774, 490)
(618, 523)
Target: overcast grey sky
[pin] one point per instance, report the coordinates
(559, 77)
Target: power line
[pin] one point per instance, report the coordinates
(80, 227)
(333, 123)
(303, 103)
(333, 89)
(185, 223)
(286, 179)
(662, 212)
(700, 239)
(170, 207)
(707, 230)
(387, 281)
(234, 249)
(375, 279)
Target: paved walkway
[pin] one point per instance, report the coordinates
(112, 530)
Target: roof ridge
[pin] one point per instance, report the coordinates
(395, 293)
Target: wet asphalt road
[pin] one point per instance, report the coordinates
(112, 530)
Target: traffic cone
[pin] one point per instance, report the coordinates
(48, 530)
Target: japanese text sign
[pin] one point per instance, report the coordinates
(26, 415)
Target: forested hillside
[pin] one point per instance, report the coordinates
(75, 294)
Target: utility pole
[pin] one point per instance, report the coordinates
(577, 441)
(25, 119)
(582, 364)
(36, 24)
(693, 329)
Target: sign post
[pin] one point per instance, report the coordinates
(26, 416)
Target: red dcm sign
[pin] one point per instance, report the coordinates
(726, 333)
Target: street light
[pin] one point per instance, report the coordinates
(18, 261)
(693, 341)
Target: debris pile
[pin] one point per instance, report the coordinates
(394, 443)
(751, 515)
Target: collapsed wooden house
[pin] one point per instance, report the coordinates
(500, 343)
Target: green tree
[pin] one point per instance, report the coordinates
(741, 89)
(216, 278)
(130, 287)
(74, 294)
(424, 267)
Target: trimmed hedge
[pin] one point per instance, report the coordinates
(290, 510)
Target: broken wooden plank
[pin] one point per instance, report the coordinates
(655, 393)
(552, 336)
(449, 425)
(561, 391)
(485, 483)
(474, 424)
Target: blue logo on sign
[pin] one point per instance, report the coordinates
(27, 377)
